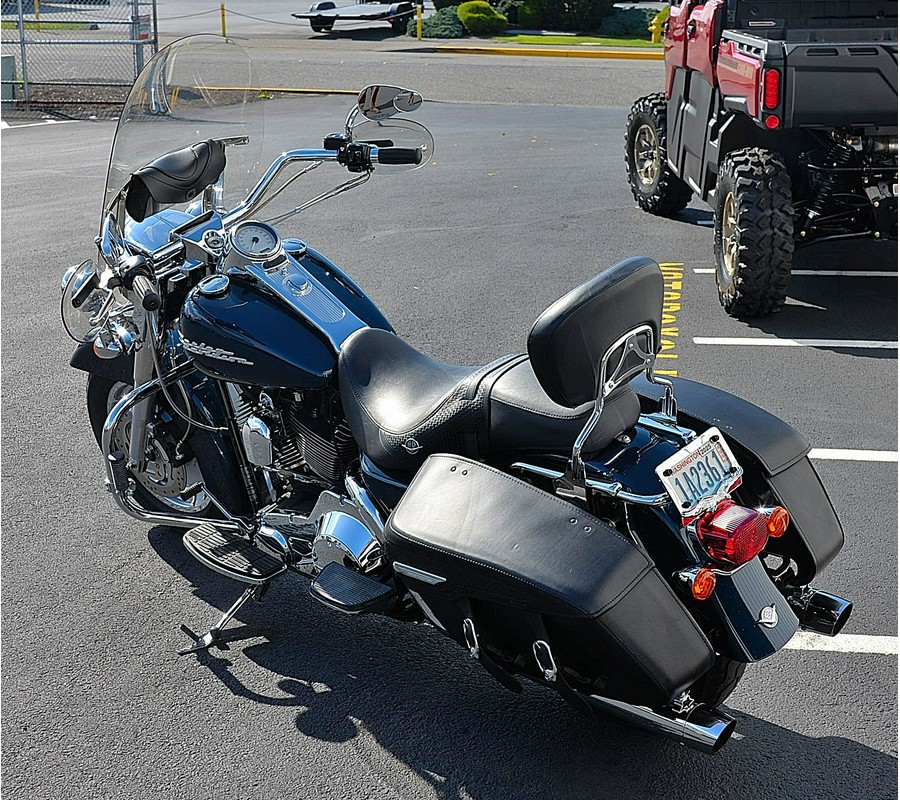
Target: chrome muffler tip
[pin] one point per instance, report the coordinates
(821, 612)
(705, 729)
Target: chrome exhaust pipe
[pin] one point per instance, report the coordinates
(704, 729)
(821, 612)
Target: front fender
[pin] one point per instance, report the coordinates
(116, 369)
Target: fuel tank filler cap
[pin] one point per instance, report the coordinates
(214, 285)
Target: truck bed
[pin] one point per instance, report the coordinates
(837, 81)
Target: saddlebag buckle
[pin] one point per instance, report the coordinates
(545, 661)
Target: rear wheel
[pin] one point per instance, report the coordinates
(714, 688)
(655, 187)
(320, 25)
(399, 24)
(754, 232)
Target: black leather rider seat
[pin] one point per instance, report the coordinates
(403, 406)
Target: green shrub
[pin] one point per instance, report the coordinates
(509, 9)
(443, 24)
(480, 19)
(631, 23)
(529, 15)
(564, 15)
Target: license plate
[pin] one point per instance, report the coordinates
(701, 473)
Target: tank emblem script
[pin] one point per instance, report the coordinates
(768, 617)
(412, 446)
(213, 352)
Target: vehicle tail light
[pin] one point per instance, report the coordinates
(778, 520)
(733, 533)
(771, 88)
(771, 121)
(704, 584)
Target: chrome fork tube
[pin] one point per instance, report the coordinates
(143, 394)
(140, 414)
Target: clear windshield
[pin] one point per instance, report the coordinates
(199, 88)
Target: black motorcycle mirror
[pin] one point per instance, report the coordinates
(380, 102)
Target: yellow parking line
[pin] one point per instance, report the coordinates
(673, 275)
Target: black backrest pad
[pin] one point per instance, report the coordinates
(175, 177)
(569, 339)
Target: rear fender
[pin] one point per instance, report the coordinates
(774, 457)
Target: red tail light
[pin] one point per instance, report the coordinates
(771, 88)
(733, 533)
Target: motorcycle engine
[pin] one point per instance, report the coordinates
(293, 434)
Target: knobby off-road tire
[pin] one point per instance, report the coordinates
(754, 232)
(655, 187)
(714, 688)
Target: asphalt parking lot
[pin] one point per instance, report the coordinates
(524, 202)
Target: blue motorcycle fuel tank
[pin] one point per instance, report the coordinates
(278, 326)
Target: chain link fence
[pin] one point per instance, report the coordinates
(73, 58)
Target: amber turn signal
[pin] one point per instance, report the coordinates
(779, 519)
(704, 584)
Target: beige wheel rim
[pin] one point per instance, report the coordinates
(729, 236)
(646, 155)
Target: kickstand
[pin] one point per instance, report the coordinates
(215, 632)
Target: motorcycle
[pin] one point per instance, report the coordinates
(557, 513)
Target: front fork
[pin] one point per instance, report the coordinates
(142, 410)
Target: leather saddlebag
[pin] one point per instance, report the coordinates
(473, 543)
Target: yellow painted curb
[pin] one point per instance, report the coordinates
(640, 55)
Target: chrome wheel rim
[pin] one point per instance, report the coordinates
(162, 478)
(729, 236)
(646, 155)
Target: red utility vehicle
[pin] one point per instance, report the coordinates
(782, 116)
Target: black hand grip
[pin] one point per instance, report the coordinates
(399, 155)
(146, 292)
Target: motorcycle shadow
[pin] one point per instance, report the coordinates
(406, 693)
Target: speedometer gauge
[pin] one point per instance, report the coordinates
(256, 241)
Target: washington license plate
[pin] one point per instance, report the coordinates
(703, 469)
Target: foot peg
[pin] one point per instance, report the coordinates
(351, 592)
(235, 557)
(232, 555)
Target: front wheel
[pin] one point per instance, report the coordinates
(171, 466)
(320, 26)
(655, 187)
(754, 232)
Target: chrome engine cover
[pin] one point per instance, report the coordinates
(347, 541)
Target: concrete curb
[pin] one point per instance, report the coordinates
(640, 55)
